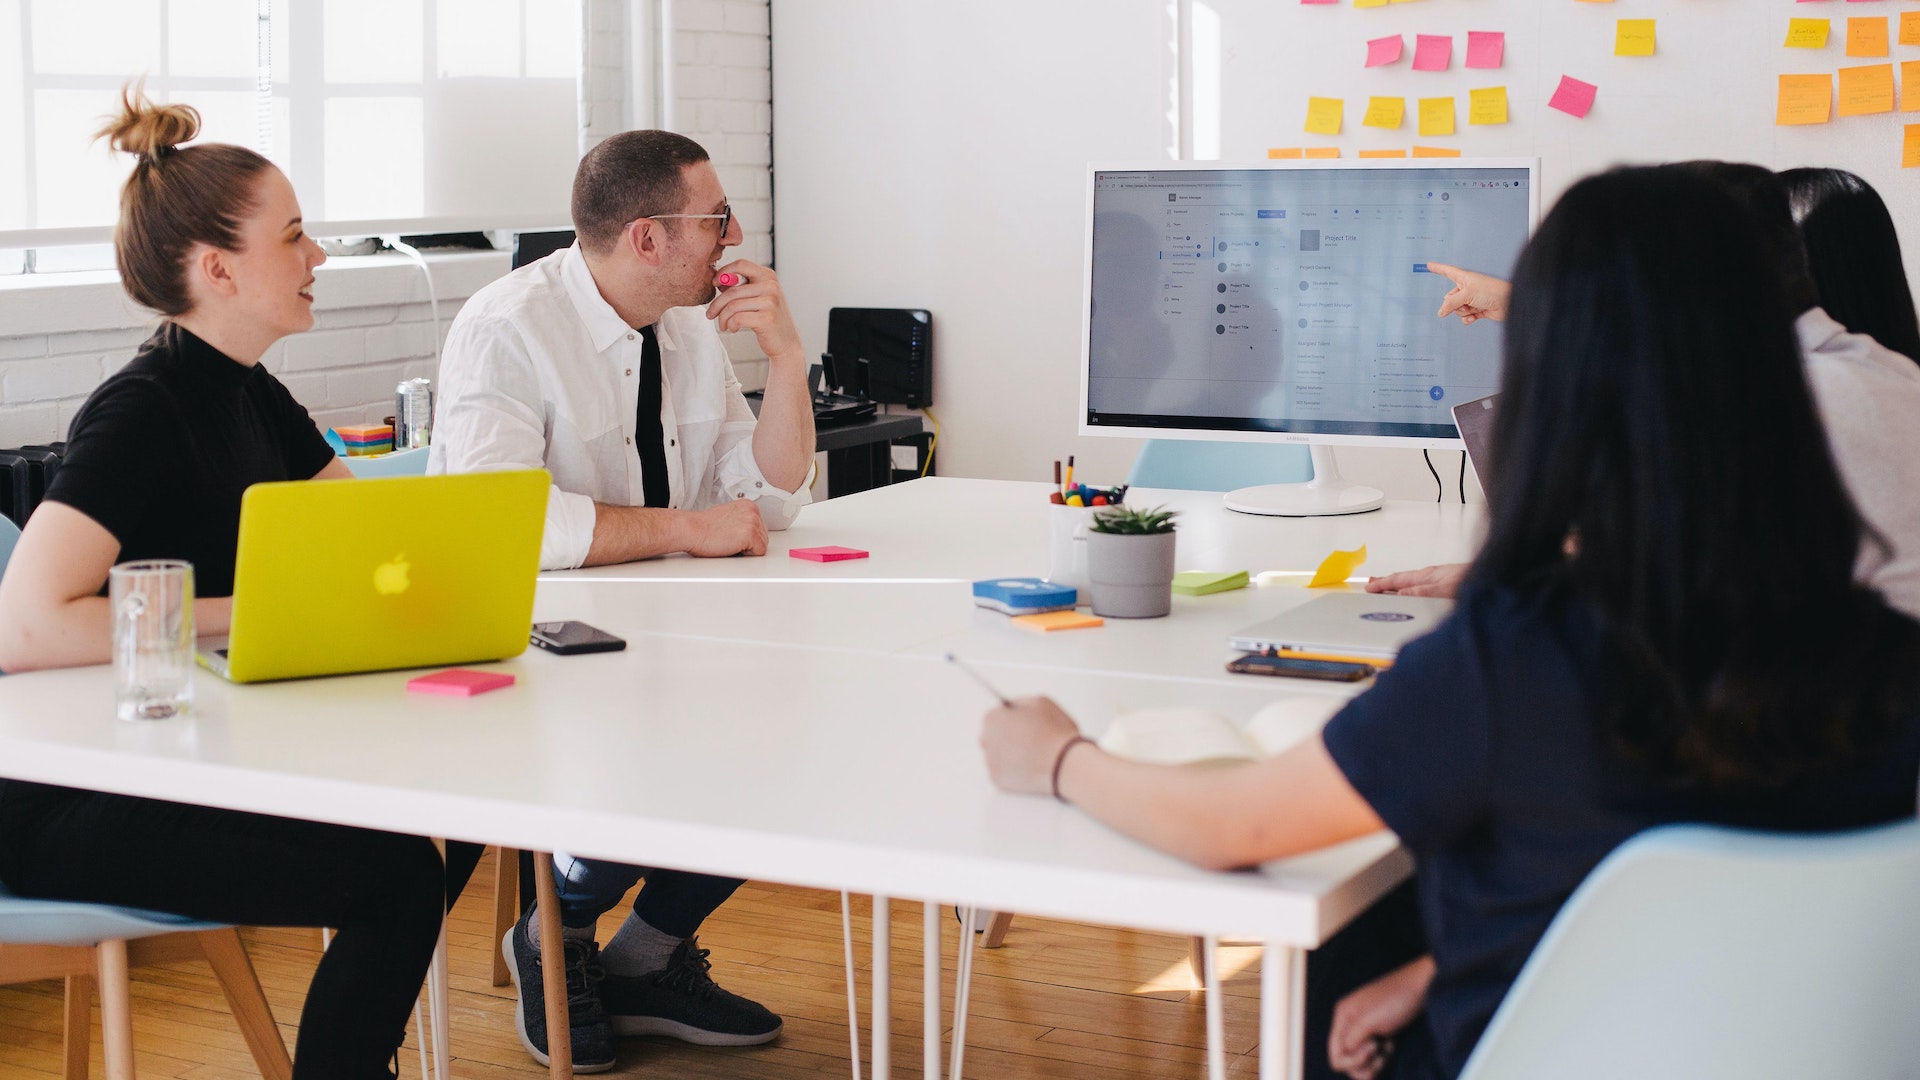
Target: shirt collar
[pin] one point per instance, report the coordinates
(1816, 329)
(200, 358)
(604, 325)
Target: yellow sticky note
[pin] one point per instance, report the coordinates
(1336, 568)
(1867, 36)
(1633, 37)
(1441, 151)
(1910, 152)
(1910, 28)
(1804, 99)
(1323, 151)
(1385, 112)
(1383, 153)
(1487, 106)
(1283, 152)
(1369, 3)
(1808, 33)
(1909, 87)
(1324, 115)
(1865, 90)
(1436, 116)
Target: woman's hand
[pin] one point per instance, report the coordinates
(1023, 740)
(1474, 295)
(1365, 1021)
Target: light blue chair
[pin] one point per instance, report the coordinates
(1710, 953)
(9, 536)
(53, 939)
(1218, 466)
(399, 463)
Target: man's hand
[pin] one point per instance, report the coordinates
(1023, 741)
(1443, 580)
(1365, 1021)
(734, 528)
(1474, 295)
(759, 306)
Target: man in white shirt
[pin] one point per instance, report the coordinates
(604, 364)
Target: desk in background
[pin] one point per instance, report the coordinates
(860, 454)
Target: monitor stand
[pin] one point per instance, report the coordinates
(1326, 494)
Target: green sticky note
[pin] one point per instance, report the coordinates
(1202, 582)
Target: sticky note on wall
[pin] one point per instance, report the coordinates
(1866, 90)
(1808, 33)
(1910, 86)
(1433, 52)
(1804, 99)
(1383, 153)
(1283, 152)
(1633, 37)
(1323, 152)
(1435, 151)
(1867, 37)
(1369, 3)
(1386, 50)
(1486, 48)
(1436, 116)
(1910, 28)
(1910, 150)
(1324, 115)
(1573, 97)
(1385, 112)
(1487, 106)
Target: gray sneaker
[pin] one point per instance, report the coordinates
(587, 1019)
(682, 1001)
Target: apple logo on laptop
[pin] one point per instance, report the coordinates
(390, 578)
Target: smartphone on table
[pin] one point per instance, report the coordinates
(570, 638)
(1299, 667)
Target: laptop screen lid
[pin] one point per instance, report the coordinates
(340, 576)
(1346, 624)
(1475, 421)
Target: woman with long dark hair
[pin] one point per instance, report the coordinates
(1662, 626)
(1854, 254)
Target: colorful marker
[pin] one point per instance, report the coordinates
(729, 280)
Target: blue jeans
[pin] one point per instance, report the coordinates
(673, 902)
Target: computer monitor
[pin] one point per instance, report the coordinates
(1290, 301)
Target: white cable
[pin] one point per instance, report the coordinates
(853, 1000)
(433, 299)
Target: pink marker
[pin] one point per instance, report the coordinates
(729, 280)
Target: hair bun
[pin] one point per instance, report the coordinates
(146, 129)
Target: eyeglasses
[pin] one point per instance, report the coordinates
(724, 217)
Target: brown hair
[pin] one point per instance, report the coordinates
(175, 198)
(629, 175)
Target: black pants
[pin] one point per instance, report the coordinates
(382, 893)
(1387, 937)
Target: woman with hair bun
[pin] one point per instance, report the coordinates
(1853, 252)
(210, 237)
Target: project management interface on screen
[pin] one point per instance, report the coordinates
(1294, 300)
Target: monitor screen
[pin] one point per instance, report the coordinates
(1292, 301)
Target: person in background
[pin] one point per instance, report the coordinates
(1853, 252)
(1646, 637)
(1868, 396)
(210, 237)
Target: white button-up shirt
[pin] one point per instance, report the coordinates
(539, 371)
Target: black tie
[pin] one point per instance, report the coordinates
(648, 437)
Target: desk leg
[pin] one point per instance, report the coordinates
(553, 969)
(1216, 1012)
(1283, 1011)
(882, 989)
(930, 1018)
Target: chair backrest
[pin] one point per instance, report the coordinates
(1218, 466)
(1700, 952)
(411, 462)
(9, 536)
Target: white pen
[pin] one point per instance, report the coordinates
(979, 678)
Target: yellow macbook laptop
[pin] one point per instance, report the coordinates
(340, 576)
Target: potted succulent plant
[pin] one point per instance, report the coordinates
(1130, 562)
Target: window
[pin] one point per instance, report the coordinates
(388, 115)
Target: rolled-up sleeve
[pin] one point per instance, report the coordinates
(736, 472)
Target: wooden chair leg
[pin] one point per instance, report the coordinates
(1197, 961)
(231, 965)
(506, 906)
(553, 969)
(996, 930)
(116, 1008)
(78, 1026)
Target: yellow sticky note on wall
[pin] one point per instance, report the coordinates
(1633, 37)
(1385, 112)
(1436, 116)
(1283, 151)
(1323, 152)
(1487, 106)
(1808, 33)
(1867, 36)
(1436, 151)
(1910, 86)
(1336, 568)
(1383, 153)
(1369, 3)
(1804, 99)
(1910, 28)
(1324, 115)
(1865, 90)
(1910, 152)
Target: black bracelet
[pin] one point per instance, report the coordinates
(1062, 760)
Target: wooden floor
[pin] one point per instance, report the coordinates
(1060, 1000)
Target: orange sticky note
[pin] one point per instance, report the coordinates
(1910, 28)
(1323, 152)
(1805, 99)
(1436, 116)
(1867, 37)
(1057, 620)
(1909, 87)
(1488, 106)
(1633, 37)
(1336, 568)
(1385, 112)
(1808, 33)
(1435, 151)
(1867, 89)
(1277, 152)
(1324, 115)
(1910, 151)
(1383, 153)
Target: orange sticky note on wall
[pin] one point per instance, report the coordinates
(1910, 86)
(1435, 151)
(1865, 90)
(1383, 153)
(1910, 28)
(1634, 37)
(1487, 106)
(1805, 99)
(1323, 152)
(1910, 152)
(1324, 115)
(1385, 112)
(1436, 116)
(1283, 151)
(1867, 37)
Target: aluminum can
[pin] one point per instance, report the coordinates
(412, 414)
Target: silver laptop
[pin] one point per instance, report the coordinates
(1346, 624)
(1475, 421)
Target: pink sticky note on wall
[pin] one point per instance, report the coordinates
(1385, 50)
(1319, 1)
(1486, 48)
(1433, 53)
(1573, 97)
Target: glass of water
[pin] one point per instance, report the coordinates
(152, 638)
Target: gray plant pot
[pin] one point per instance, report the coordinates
(1130, 576)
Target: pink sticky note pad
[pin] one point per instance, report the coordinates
(1433, 52)
(827, 554)
(1486, 48)
(1573, 97)
(459, 682)
(1384, 50)
(1319, 1)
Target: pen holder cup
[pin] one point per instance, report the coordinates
(1067, 546)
